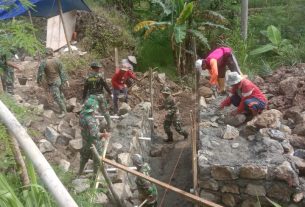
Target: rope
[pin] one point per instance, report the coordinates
(172, 175)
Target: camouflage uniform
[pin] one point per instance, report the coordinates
(7, 76)
(90, 133)
(147, 190)
(55, 76)
(172, 117)
(94, 85)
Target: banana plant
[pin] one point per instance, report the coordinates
(179, 20)
(277, 43)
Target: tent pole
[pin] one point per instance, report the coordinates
(63, 24)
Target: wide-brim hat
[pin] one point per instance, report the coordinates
(132, 59)
(233, 78)
(126, 66)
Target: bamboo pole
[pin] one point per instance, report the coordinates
(20, 162)
(116, 57)
(194, 155)
(63, 24)
(186, 195)
(45, 171)
(108, 181)
(151, 115)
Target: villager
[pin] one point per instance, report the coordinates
(94, 87)
(7, 74)
(172, 116)
(133, 62)
(216, 63)
(147, 190)
(245, 95)
(91, 134)
(56, 78)
(119, 84)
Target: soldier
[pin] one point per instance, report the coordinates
(172, 116)
(56, 78)
(7, 74)
(94, 86)
(90, 133)
(147, 190)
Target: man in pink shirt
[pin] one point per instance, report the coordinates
(216, 63)
(119, 84)
(245, 95)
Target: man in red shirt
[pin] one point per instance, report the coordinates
(119, 84)
(245, 95)
(216, 63)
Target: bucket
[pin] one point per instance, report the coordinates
(22, 80)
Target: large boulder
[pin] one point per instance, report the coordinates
(124, 109)
(51, 135)
(299, 129)
(289, 87)
(295, 114)
(285, 172)
(206, 92)
(45, 146)
(268, 119)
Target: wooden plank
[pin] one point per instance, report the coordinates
(186, 195)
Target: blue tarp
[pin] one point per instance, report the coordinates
(43, 8)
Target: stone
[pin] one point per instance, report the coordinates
(202, 102)
(268, 119)
(209, 196)
(285, 172)
(162, 77)
(252, 171)
(251, 137)
(276, 134)
(81, 184)
(289, 87)
(230, 188)
(156, 150)
(285, 129)
(250, 203)
(117, 147)
(71, 102)
(299, 129)
(39, 108)
(45, 146)
(228, 200)
(51, 135)
(235, 145)
(64, 127)
(220, 172)
(235, 120)
(297, 197)
(18, 98)
(49, 114)
(64, 139)
(255, 190)
(280, 192)
(299, 153)
(206, 92)
(297, 141)
(288, 149)
(209, 184)
(248, 130)
(124, 158)
(76, 144)
(231, 132)
(101, 199)
(77, 108)
(122, 190)
(295, 113)
(124, 109)
(64, 165)
(299, 163)
(78, 133)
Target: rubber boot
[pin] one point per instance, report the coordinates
(221, 83)
(169, 137)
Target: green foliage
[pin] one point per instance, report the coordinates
(73, 62)
(15, 35)
(273, 203)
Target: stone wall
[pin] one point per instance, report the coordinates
(238, 166)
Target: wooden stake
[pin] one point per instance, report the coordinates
(116, 57)
(194, 155)
(63, 24)
(108, 181)
(151, 102)
(186, 195)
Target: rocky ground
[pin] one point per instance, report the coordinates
(241, 163)
(60, 140)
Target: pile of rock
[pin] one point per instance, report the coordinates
(264, 158)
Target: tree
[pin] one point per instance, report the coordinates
(178, 17)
